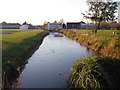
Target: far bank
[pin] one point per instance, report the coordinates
(106, 42)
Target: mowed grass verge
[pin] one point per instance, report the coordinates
(9, 30)
(16, 46)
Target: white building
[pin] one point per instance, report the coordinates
(52, 26)
(87, 26)
(119, 12)
(24, 27)
(0, 25)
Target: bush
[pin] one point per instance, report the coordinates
(95, 72)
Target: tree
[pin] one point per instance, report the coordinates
(61, 21)
(101, 11)
(25, 23)
(45, 22)
(55, 21)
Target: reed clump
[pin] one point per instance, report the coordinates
(95, 72)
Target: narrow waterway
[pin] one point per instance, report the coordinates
(49, 65)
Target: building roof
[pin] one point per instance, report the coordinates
(73, 22)
(76, 22)
(4, 23)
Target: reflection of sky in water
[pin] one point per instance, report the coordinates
(55, 56)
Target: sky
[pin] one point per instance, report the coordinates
(38, 11)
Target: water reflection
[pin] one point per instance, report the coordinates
(49, 65)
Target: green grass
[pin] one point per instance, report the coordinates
(16, 46)
(104, 41)
(8, 30)
(95, 72)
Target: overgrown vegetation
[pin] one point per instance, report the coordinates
(105, 42)
(95, 72)
(15, 47)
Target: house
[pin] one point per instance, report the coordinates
(0, 25)
(5, 25)
(73, 25)
(38, 27)
(87, 26)
(119, 12)
(24, 27)
(55, 25)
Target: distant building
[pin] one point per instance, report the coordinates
(0, 25)
(39, 27)
(119, 12)
(24, 27)
(52, 26)
(87, 26)
(5, 25)
(74, 25)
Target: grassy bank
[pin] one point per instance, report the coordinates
(105, 42)
(95, 72)
(8, 30)
(15, 47)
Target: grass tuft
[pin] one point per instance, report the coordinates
(95, 72)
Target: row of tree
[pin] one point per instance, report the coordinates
(113, 25)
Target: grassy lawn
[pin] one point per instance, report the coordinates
(104, 41)
(8, 30)
(16, 46)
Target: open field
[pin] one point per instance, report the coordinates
(8, 30)
(16, 46)
(105, 42)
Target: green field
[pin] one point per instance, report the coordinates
(8, 30)
(16, 46)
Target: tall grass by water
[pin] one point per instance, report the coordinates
(95, 72)
(105, 42)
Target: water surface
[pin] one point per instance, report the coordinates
(49, 65)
